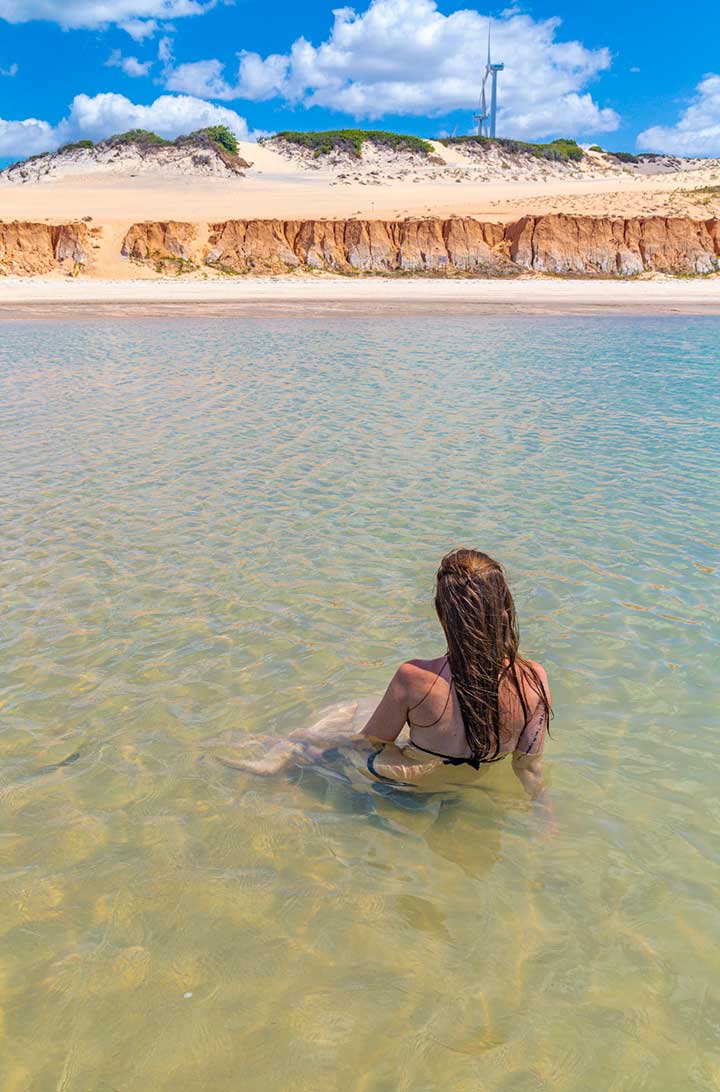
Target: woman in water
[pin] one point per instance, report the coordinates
(476, 704)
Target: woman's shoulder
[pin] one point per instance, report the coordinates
(435, 666)
(534, 666)
(417, 675)
(531, 673)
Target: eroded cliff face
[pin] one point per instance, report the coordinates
(559, 244)
(360, 246)
(587, 245)
(160, 241)
(556, 244)
(27, 248)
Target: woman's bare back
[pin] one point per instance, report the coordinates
(436, 721)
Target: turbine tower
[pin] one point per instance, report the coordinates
(486, 119)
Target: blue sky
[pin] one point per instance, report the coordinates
(627, 76)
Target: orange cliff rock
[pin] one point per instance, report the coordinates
(359, 246)
(588, 245)
(559, 244)
(27, 248)
(160, 241)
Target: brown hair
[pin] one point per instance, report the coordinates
(477, 612)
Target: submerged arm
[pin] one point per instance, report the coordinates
(529, 771)
(527, 760)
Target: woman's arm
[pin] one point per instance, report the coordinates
(527, 761)
(388, 720)
(529, 771)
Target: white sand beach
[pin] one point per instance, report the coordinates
(22, 297)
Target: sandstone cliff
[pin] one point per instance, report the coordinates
(27, 248)
(586, 245)
(160, 241)
(559, 244)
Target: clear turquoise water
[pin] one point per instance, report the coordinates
(214, 528)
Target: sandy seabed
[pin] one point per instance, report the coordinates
(53, 297)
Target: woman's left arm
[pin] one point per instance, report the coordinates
(388, 720)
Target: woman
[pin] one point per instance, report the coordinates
(474, 705)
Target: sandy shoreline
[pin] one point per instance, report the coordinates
(48, 297)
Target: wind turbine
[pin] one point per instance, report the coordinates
(485, 118)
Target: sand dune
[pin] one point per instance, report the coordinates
(290, 183)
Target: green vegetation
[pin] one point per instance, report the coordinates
(220, 135)
(167, 263)
(595, 148)
(75, 145)
(217, 135)
(352, 140)
(625, 157)
(562, 151)
(136, 136)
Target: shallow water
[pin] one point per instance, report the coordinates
(215, 528)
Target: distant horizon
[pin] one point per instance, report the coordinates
(407, 66)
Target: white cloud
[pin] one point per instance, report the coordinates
(131, 66)
(11, 70)
(258, 78)
(698, 130)
(406, 57)
(98, 116)
(165, 51)
(137, 17)
(27, 137)
(139, 29)
(203, 78)
(168, 116)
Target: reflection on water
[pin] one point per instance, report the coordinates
(215, 528)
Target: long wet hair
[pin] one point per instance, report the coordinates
(477, 612)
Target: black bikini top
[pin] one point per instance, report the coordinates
(453, 760)
(448, 760)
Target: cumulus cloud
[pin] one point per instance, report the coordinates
(97, 116)
(26, 137)
(11, 70)
(406, 57)
(165, 50)
(697, 132)
(131, 66)
(101, 115)
(203, 78)
(257, 78)
(137, 17)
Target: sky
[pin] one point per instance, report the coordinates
(630, 76)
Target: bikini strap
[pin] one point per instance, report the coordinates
(437, 721)
(428, 692)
